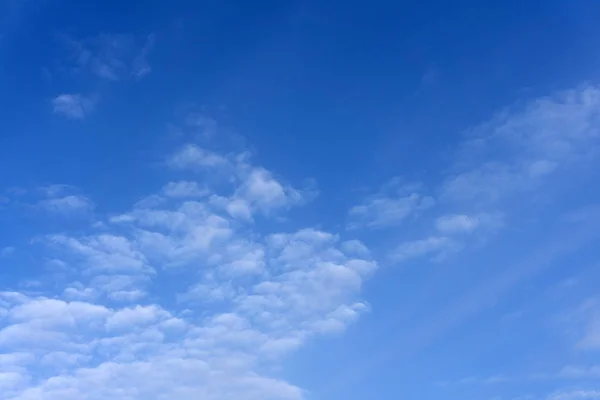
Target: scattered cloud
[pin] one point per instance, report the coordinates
(64, 200)
(111, 57)
(456, 223)
(263, 295)
(515, 152)
(67, 205)
(452, 224)
(183, 189)
(140, 66)
(6, 251)
(575, 395)
(73, 106)
(578, 371)
(255, 189)
(588, 315)
(196, 158)
(437, 247)
(389, 207)
(520, 147)
(207, 126)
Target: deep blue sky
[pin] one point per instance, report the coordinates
(151, 152)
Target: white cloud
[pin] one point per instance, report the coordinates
(456, 223)
(462, 223)
(57, 190)
(178, 298)
(260, 188)
(6, 251)
(518, 148)
(68, 205)
(591, 334)
(104, 252)
(576, 371)
(197, 158)
(74, 106)
(389, 207)
(78, 292)
(111, 56)
(183, 189)
(575, 395)
(64, 200)
(140, 66)
(512, 154)
(255, 188)
(435, 246)
(355, 247)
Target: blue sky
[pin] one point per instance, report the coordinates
(299, 200)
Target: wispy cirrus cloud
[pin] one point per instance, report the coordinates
(73, 106)
(520, 147)
(452, 224)
(6, 251)
(67, 205)
(394, 203)
(513, 153)
(64, 200)
(112, 57)
(575, 395)
(437, 247)
(496, 171)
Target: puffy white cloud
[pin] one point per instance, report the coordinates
(197, 158)
(74, 106)
(261, 189)
(180, 298)
(255, 188)
(104, 252)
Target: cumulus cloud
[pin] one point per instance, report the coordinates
(255, 189)
(73, 106)
(177, 298)
(197, 158)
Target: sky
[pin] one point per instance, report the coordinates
(299, 200)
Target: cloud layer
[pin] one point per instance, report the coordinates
(182, 296)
